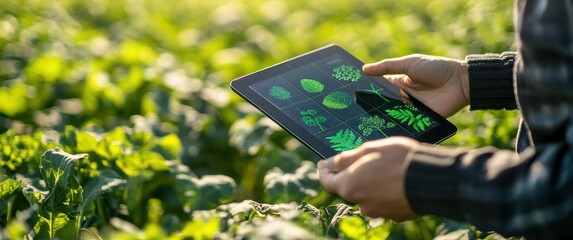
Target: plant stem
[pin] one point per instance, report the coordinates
(10, 204)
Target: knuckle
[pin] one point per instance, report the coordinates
(368, 147)
(368, 211)
(350, 193)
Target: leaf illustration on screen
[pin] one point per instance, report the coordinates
(311, 85)
(410, 115)
(377, 91)
(375, 123)
(337, 100)
(279, 93)
(310, 119)
(344, 140)
(347, 73)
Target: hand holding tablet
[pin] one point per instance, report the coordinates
(325, 100)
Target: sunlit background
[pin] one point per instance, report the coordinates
(150, 79)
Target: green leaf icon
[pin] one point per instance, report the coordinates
(410, 115)
(371, 124)
(311, 86)
(337, 100)
(309, 118)
(279, 93)
(344, 140)
(347, 73)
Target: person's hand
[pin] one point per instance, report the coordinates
(371, 176)
(440, 83)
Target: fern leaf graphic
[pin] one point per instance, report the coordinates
(407, 115)
(344, 140)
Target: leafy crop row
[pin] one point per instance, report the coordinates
(153, 144)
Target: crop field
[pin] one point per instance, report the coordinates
(117, 120)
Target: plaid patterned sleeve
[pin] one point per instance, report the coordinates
(528, 193)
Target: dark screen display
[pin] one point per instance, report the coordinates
(338, 104)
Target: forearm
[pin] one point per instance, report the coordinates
(495, 189)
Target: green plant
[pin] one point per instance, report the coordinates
(311, 85)
(344, 140)
(310, 119)
(347, 73)
(375, 123)
(410, 115)
(143, 91)
(337, 100)
(279, 93)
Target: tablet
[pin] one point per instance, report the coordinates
(325, 101)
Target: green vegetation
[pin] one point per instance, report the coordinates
(172, 153)
(375, 123)
(344, 140)
(337, 100)
(279, 93)
(311, 85)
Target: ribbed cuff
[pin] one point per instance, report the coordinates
(432, 181)
(491, 81)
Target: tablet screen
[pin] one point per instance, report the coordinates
(336, 107)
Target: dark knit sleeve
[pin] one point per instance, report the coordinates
(491, 81)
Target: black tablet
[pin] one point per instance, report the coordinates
(325, 100)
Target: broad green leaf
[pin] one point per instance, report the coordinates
(113, 144)
(462, 234)
(142, 163)
(57, 167)
(302, 184)
(332, 215)
(353, 227)
(213, 190)
(35, 191)
(8, 187)
(280, 229)
(51, 225)
(18, 101)
(76, 140)
(59, 209)
(380, 232)
(169, 146)
(200, 229)
(249, 136)
(203, 193)
(107, 181)
(46, 68)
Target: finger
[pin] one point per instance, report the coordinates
(390, 66)
(401, 81)
(344, 159)
(327, 178)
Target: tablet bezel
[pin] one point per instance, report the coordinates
(241, 86)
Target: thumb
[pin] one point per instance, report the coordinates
(341, 161)
(390, 66)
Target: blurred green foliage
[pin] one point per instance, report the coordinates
(142, 88)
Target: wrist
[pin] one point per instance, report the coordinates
(465, 82)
